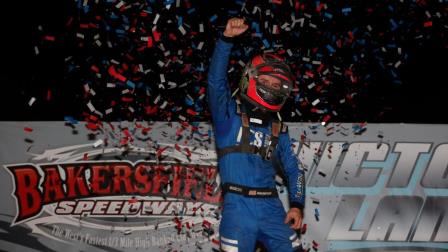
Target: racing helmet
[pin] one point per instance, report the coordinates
(266, 82)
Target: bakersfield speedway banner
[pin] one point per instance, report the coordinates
(134, 186)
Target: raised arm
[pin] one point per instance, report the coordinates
(219, 95)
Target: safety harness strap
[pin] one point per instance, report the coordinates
(245, 147)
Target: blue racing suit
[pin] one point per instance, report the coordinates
(248, 219)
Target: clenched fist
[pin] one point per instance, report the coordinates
(234, 27)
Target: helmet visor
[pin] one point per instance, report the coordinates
(269, 89)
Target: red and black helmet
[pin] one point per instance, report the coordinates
(257, 90)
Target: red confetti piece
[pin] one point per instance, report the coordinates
(93, 118)
(116, 75)
(156, 35)
(192, 112)
(126, 133)
(151, 110)
(179, 131)
(161, 150)
(127, 99)
(309, 74)
(92, 126)
(150, 43)
(48, 94)
(146, 130)
(188, 152)
(303, 229)
(206, 224)
(95, 69)
(132, 200)
(49, 38)
(28, 129)
(124, 141)
(111, 126)
(427, 24)
(85, 157)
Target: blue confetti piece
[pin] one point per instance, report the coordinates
(70, 119)
(107, 28)
(188, 101)
(347, 10)
(391, 46)
(190, 11)
(239, 2)
(316, 214)
(255, 26)
(113, 16)
(119, 31)
(213, 18)
(179, 22)
(198, 108)
(331, 49)
(393, 24)
(393, 73)
(130, 84)
(328, 15)
(266, 43)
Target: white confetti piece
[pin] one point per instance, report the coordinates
(31, 101)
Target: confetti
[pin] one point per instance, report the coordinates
(98, 143)
(160, 53)
(316, 214)
(28, 129)
(31, 101)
